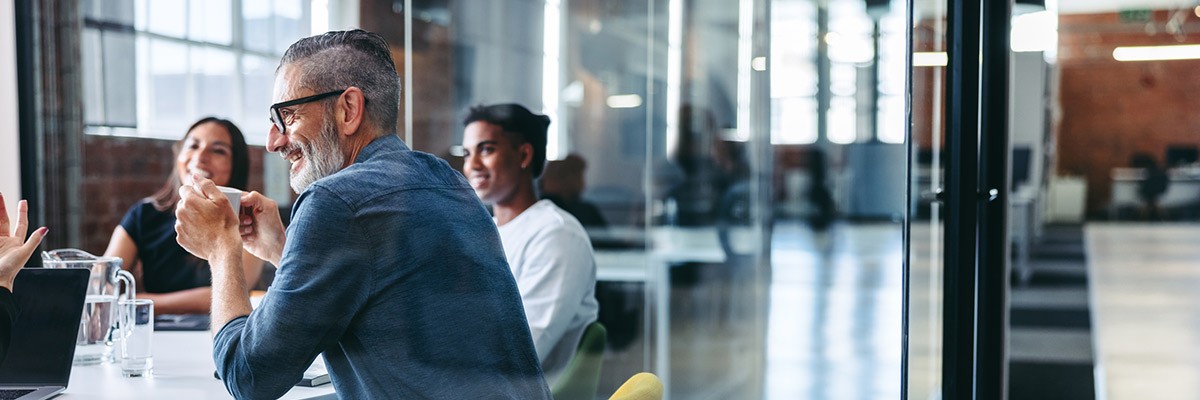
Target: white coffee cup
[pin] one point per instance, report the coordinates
(234, 196)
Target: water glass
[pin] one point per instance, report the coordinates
(137, 334)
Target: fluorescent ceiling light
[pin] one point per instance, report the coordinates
(1157, 53)
(624, 101)
(930, 59)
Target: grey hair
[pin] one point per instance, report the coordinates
(340, 59)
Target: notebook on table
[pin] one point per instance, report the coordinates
(50, 303)
(181, 322)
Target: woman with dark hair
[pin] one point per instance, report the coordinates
(178, 282)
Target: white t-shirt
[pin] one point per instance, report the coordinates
(551, 257)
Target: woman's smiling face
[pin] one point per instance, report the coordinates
(206, 151)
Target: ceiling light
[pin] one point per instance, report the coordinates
(624, 101)
(1157, 53)
(930, 59)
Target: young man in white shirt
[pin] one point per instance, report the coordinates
(548, 250)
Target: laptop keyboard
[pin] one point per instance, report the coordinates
(12, 394)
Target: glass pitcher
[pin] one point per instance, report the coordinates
(97, 325)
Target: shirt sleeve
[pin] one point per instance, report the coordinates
(323, 280)
(558, 271)
(8, 316)
(131, 222)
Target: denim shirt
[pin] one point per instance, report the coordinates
(394, 270)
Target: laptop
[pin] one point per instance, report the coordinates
(49, 303)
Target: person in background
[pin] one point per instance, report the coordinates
(14, 253)
(1152, 186)
(547, 249)
(562, 183)
(178, 282)
(390, 267)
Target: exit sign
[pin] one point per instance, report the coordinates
(1135, 15)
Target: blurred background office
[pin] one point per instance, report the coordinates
(752, 168)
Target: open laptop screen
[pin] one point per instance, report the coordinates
(50, 303)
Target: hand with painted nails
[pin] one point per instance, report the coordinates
(14, 248)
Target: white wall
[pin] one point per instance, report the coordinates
(10, 155)
(1027, 108)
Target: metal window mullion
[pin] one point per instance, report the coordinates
(239, 63)
(992, 258)
(962, 194)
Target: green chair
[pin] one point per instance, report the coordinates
(582, 375)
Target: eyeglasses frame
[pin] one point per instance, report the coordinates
(277, 116)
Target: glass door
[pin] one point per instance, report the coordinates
(957, 277)
(927, 80)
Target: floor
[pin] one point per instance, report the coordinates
(1050, 339)
(834, 326)
(831, 327)
(1146, 296)
(832, 323)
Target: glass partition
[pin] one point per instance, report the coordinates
(746, 159)
(740, 166)
(926, 179)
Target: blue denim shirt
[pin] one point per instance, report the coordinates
(394, 270)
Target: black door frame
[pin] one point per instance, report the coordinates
(975, 280)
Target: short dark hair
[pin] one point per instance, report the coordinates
(519, 123)
(239, 175)
(341, 59)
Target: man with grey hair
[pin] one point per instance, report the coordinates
(391, 266)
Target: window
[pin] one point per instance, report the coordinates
(793, 73)
(794, 81)
(192, 58)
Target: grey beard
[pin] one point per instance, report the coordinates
(323, 157)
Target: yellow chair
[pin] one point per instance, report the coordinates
(642, 386)
(582, 375)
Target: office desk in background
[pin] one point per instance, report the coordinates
(183, 369)
(1183, 189)
(649, 261)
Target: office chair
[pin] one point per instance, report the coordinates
(642, 386)
(582, 375)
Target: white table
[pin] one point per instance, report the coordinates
(664, 246)
(183, 369)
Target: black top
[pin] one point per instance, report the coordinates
(166, 266)
(8, 315)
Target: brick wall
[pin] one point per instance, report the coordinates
(118, 172)
(1109, 110)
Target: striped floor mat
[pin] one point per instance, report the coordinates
(1050, 341)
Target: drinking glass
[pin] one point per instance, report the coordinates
(137, 335)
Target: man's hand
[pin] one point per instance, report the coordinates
(203, 223)
(14, 250)
(262, 231)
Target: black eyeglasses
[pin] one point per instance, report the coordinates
(277, 116)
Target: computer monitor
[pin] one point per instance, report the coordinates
(1020, 166)
(1181, 155)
